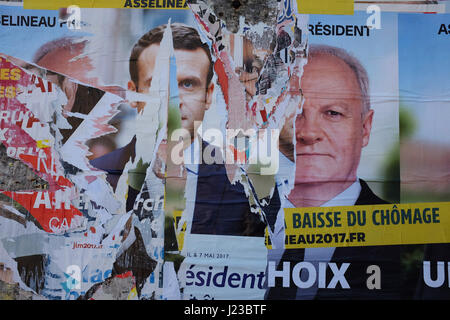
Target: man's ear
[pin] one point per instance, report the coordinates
(209, 93)
(70, 89)
(367, 127)
(286, 145)
(132, 87)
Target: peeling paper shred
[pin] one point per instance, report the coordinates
(284, 90)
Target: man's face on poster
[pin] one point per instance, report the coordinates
(332, 129)
(61, 61)
(192, 70)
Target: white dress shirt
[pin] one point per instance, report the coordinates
(191, 157)
(285, 183)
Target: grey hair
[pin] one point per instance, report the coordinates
(353, 63)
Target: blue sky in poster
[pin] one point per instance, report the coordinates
(423, 79)
(424, 64)
(30, 38)
(377, 52)
(379, 55)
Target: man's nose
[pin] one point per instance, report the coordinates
(307, 129)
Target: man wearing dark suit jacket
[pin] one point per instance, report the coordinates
(194, 74)
(220, 207)
(332, 128)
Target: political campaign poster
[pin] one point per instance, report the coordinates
(197, 150)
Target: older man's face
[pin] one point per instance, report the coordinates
(331, 131)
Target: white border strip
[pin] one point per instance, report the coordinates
(11, 4)
(402, 7)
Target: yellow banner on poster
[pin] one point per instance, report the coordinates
(117, 4)
(41, 144)
(180, 235)
(326, 6)
(369, 225)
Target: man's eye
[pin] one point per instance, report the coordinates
(186, 84)
(333, 113)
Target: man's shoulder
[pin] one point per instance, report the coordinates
(367, 196)
(116, 159)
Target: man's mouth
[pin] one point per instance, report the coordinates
(313, 154)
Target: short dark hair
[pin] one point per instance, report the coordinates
(184, 38)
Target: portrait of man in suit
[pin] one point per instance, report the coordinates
(193, 77)
(57, 57)
(332, 127)
(194, 74)
(220, 207)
